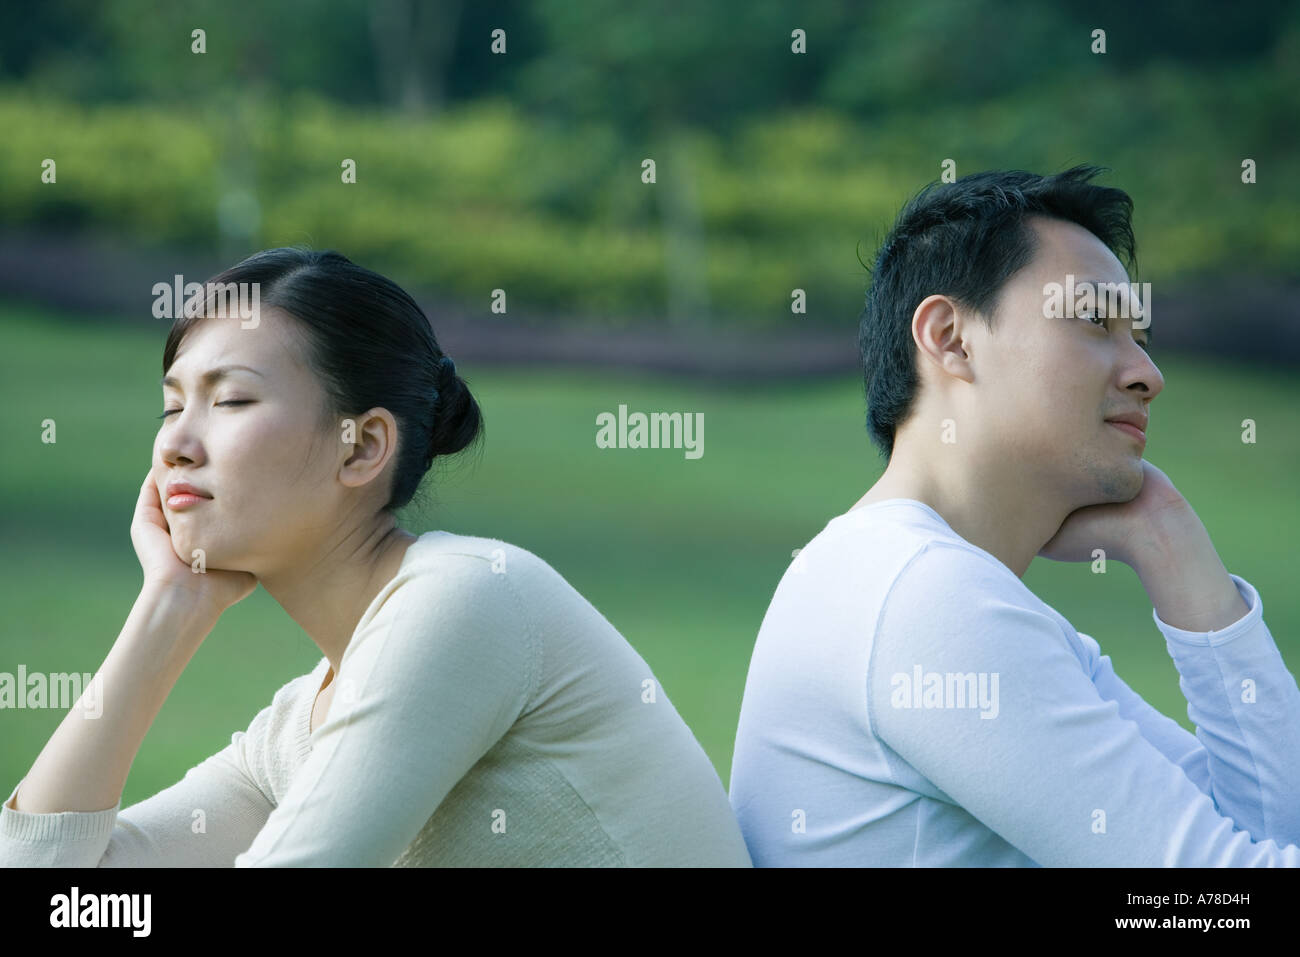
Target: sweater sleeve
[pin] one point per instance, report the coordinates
(438, 675)
(1057, 764)
(203, 820)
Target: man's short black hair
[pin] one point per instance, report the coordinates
(965, 240)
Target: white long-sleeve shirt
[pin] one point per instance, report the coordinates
(485, 714)
(910, 703)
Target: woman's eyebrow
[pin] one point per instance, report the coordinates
(211, 376)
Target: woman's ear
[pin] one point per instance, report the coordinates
(373, 440)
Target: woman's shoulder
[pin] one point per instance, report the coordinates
(435, 555)
(501, 584)
(450, 576)
(460, 605)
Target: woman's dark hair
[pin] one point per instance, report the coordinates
(370, 344)
(964, 240)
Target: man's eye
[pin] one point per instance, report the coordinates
(1099, 320)
(167, 412)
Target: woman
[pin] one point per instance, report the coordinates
(471, 708)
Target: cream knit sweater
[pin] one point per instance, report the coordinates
(485, 714)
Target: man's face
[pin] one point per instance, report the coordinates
(267, 463)
(1046, 386)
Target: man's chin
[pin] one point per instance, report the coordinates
(1125, 484)
(1115, 485)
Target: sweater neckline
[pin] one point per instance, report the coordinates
(304, 731)
(302, 736)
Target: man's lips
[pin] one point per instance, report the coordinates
(1134, 423)
(1132, 430)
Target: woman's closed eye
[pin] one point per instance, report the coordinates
(167, 412)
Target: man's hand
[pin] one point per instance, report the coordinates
(1119, 528)
(1160, 537)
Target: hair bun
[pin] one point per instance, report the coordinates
(445, 391)
(457, 419)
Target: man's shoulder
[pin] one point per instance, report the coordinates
(902, 573)
(943, 572)
(954, 594)
(871, 550)
(889, 531)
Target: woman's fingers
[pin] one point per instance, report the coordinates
(148, 505)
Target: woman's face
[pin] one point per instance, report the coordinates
(253, 439)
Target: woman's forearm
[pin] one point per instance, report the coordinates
(84, 765)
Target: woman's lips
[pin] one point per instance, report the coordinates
(184, 500)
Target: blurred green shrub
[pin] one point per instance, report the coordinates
(487, 196)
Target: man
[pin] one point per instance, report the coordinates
(910, 702)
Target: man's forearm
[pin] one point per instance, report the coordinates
(1184, 577)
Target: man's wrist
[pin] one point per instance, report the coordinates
(1187, 582)
(1156, 542)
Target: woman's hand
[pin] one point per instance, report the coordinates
(1117, 527)
(214, 589)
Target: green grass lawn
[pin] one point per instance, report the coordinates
(681, 555)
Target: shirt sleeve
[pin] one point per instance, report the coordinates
(435, 679)
(1254, 778)
(203, 820)
(1172, 740)
(1246, 708)
(1049, 761)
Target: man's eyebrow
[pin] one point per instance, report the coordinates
(211, 376)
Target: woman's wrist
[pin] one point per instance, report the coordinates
(172, 612)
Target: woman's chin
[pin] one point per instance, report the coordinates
(199, 555)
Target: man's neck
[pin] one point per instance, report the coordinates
(995, 511)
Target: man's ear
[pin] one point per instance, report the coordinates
(939, 332)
